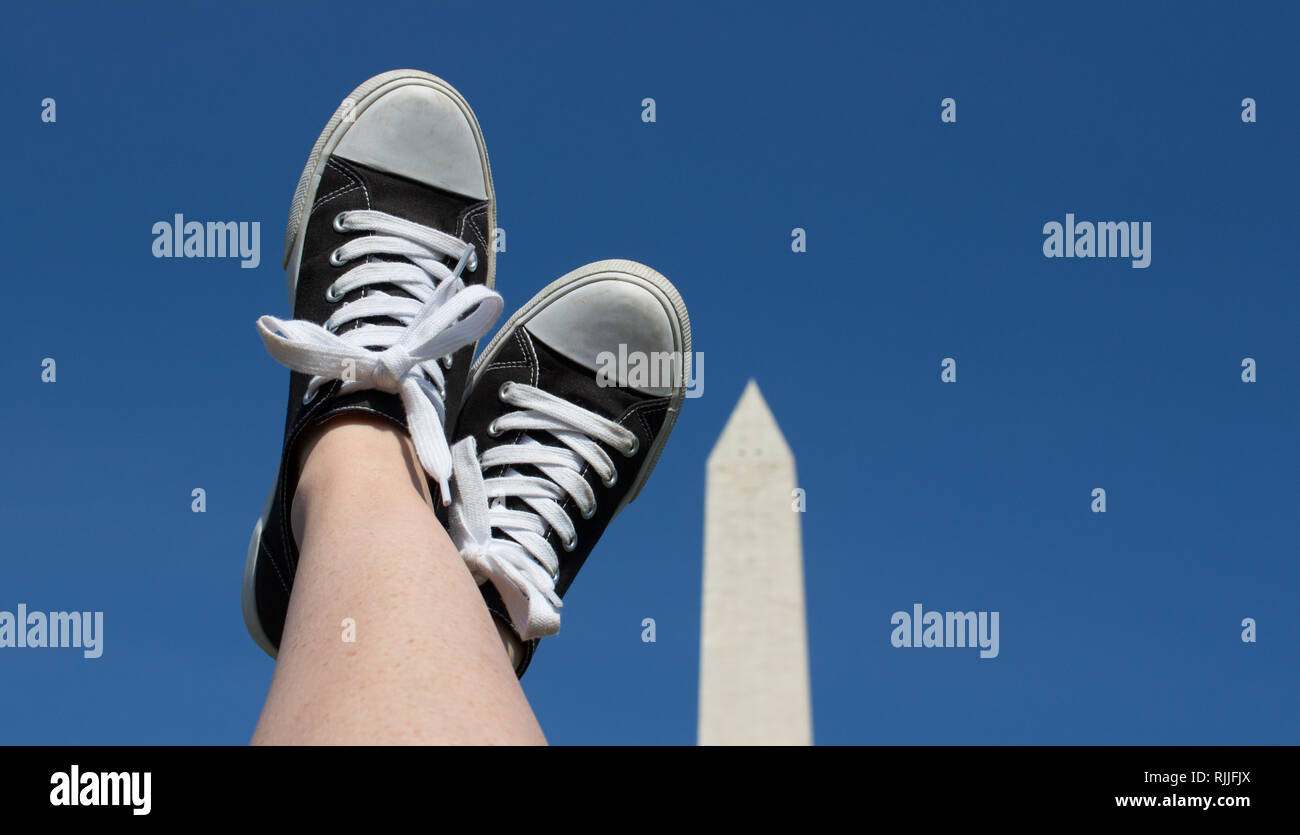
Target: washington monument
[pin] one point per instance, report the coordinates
(754, 686)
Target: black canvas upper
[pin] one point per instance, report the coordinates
(344, 186)
(523, 358)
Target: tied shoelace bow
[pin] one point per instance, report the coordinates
(441, 316)
(520, 561)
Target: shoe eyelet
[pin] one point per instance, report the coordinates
(338, 222)
(492, 429)
(569, 544)
(330, 295)
(613, 479)
(335, 261)
(636, 445)
(473, 260)
(591, 513)
(504, 390)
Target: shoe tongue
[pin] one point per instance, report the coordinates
(564, 378)
(409, 200)
(372, 289)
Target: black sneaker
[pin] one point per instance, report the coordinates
(562, 424)
(390, 269)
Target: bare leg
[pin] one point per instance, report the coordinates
(427, 665)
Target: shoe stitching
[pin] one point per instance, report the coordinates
(350, 184)
(641, 413)
(333, 194)
(261, 546)
(637, 409)
(527, 342)
(354, 181)
(517, 363)
(465, 221)
(348, 170)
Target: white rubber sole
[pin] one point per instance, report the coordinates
(304, 196)
(248, 590)
(641, 275)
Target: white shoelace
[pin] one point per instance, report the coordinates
(442, 316)
(521, 562)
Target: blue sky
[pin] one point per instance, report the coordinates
(924, 242)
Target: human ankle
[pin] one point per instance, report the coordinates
(350, 457)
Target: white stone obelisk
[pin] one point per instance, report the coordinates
(753, 641)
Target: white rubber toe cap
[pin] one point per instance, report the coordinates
(611, 316)
(419, 132)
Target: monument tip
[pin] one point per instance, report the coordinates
(751, 430)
